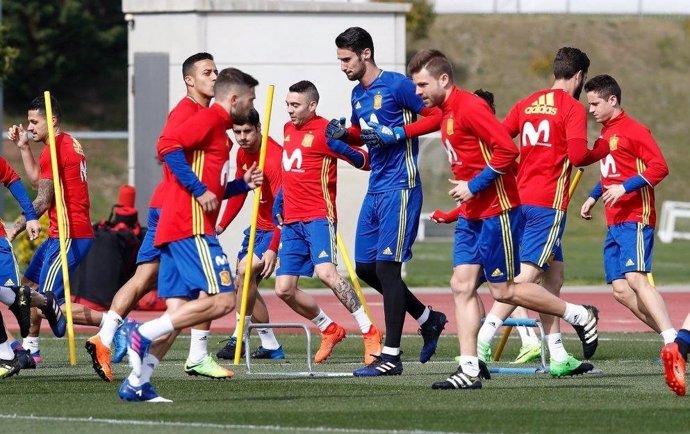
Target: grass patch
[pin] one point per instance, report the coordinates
(629, 396)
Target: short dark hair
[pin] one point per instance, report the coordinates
(306, 86)
(39, 103)
(188, 64)
(568, 62)
(433, 61)
(604, 85)
(488, 97)
(355, 39)
(230, 77)
(251, 119)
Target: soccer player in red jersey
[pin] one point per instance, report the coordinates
(199, 74)
(488, 229)
(16, 297)
(528, 337)
(194, 276)
(629, 174)
(308, 241)
(551, 126)
(45, 269)
(248, 137)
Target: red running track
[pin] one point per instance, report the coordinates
(614, 317)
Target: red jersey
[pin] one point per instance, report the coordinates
(207, 148)
(75, 188)
(7, 177)
(309, 172)
(633, 152)
(552, 129)
(184, 109)
(269, 188)
(473, 139)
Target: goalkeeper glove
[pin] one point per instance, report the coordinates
(336, 129)
(381, 135)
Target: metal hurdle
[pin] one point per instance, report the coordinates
(288, 325)
(525, 322)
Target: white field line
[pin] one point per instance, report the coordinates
(201, 425)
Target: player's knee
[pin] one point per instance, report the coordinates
(389, 273)
(328, 275)
(224, 303)
(553, 284)
(285, 292)
(365, 271)
(502, 292)
(622, 293)
(461, 287)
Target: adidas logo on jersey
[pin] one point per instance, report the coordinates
(497, 272)
(9, 283)
(629, 263)
(387, 251)
(544, 105)
(323, 254)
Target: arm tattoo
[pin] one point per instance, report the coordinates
(347, 295)
(41, 204)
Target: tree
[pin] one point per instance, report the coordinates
(77, 49)
(7, 55)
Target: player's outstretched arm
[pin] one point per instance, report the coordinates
(44, 198)
(33, 228)
(253, 178)
(440, 216)
(357, 157)
(594, 195)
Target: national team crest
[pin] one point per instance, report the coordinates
(287, 138)
(307, 140)
(613, 143)
(378, 100)
(225, 278)
(449, 127)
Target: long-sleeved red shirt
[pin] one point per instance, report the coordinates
(473, 139)
(206, 145)
(633, 152)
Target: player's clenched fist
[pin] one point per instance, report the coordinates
(18, 135)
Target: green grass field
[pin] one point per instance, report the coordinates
(629, 396)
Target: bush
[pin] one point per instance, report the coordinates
(24, 248)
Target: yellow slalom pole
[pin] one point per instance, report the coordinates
(353, 275)
(61, 228)
(266, 123)
(509, 329)
(650, 278)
